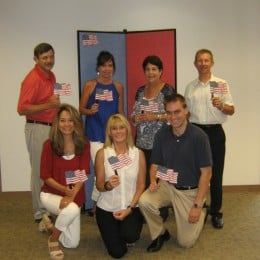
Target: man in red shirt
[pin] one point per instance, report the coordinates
(39, 104)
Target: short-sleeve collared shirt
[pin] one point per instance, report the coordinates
(198, 97)
(37, 89)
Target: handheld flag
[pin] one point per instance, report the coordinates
(103, 94)
(166, 174)
(149, 106)
(120, 161)
(62, 89)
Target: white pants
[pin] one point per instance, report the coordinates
(68, 219)
(94, 147)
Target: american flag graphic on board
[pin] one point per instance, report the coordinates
(218, 87)
(104, 94)
(149, 106)
(73, 177)
(89, 39)
(120, 161)
(62, 89)
(166, 174)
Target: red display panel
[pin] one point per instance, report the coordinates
(141, 44)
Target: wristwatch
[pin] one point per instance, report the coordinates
(197, 206)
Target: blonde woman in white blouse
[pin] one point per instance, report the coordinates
(120, 178)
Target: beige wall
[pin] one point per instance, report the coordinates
(230, 28)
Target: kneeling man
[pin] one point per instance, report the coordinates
(181, 168)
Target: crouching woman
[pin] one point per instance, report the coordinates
(120, 178)
(64, 164)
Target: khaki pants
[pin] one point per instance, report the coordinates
(35, 135)
(182, 202)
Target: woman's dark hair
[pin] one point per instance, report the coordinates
(103, 57)
(153, 59)
(56, 137)
(42, 48)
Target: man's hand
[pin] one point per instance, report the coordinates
(154, 186)
(194, 215)
(54, 101)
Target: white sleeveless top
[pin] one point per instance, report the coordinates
(121, 196)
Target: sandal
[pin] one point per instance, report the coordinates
(45, 225)
(56, 254)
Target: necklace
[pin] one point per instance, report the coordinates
(123, 150)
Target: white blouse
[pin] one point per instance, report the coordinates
(121, 196)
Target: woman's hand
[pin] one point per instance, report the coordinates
(114, 181)
(69, 191)
(122, 214)
(139, 118)
(145, 117)
(94, 108)
(65, 201)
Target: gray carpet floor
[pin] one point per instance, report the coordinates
(239, 239)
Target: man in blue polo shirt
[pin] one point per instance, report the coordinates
(180, 174)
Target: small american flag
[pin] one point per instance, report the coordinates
(166, 174)
(218, 87)
(62, 89)
(81, 175)
(120, 161)
(71, 178)
(104, 94)
(149, 106)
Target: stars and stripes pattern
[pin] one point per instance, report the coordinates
(81, 175)
(89, 39)
(166, 174)
(73, 177)
(149, 106)
(104, 94)
(70, 177)
(218, 87)
(62, 89)
(120, 161)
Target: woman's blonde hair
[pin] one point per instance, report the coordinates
(118, 119)
(56, 137)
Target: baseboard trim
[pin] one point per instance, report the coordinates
(21, 194)
(226, 188)
(241, 188)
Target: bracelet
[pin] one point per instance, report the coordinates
(130, 207)
(222, 107)
(106, 187)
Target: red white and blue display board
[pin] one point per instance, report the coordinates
(129, 50)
